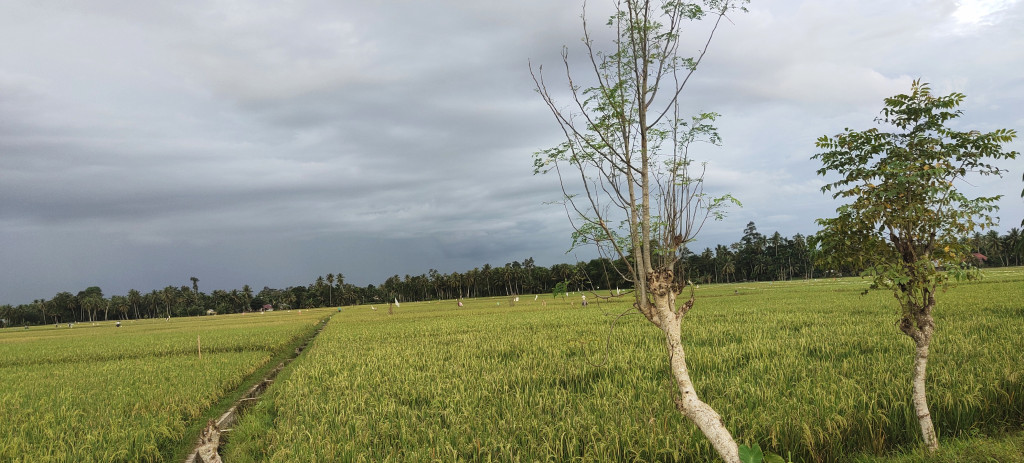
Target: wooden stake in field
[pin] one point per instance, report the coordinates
(199, 346)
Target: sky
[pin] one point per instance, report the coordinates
(267, 143)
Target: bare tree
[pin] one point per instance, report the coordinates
(629, 182)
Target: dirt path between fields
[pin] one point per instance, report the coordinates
(207, 449)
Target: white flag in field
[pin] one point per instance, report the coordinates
(535, 296)
(396, 303)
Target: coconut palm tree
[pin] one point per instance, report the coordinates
(330, 289)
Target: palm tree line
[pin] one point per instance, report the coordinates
(755, 257)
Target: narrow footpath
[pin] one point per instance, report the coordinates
(216, 432)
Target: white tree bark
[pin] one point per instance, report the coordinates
(918, 323)
(669, 318)
(627, 141)
(920, 400)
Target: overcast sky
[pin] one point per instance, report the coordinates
(267, 142)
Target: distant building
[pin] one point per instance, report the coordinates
(977, 259)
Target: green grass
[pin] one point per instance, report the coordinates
(100, 393)
(810, 369)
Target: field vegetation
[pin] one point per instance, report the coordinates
(96, 392)
(533, 381)
(809, 369)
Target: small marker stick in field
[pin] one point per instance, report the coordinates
(199, 346)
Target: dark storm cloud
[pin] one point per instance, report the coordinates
(266, 143)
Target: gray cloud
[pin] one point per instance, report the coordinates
(265, 144)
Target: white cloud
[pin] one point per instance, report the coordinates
(973, 14)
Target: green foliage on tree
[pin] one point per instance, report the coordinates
(560, 289)
(906, 208)
(906, 219)
(630, 182)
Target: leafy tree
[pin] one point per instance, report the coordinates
(63, 306)
(134, 300)
(169, 295)
(318, 288)
(41, 303)
(641, 197)
(751, 256)
(152, 302)
(120, 305)
(330, 289)
(1015, 243)
(906, 217)
(91, 300)
(559, 289)
(246, 298)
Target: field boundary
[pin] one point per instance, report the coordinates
(206, 447)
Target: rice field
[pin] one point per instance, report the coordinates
(809, 369)
(97, 392)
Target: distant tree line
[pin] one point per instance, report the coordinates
(755, 257)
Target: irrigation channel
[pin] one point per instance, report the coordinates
(217, 431)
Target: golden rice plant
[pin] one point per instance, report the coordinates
(102, 393)
(811, 369)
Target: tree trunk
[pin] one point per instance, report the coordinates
(666, 316)
(705, 417)
(919, 325)
(920, 400)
